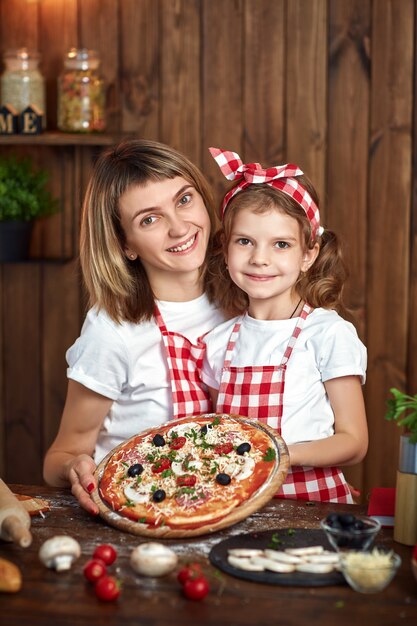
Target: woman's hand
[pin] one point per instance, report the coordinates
(69, 460)
(81, 478)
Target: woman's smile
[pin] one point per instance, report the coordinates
(186, 246)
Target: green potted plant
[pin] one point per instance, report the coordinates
(24, 197)
(402, 409)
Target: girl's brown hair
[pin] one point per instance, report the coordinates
(115, 284)
(321, 286)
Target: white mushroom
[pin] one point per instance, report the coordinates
(244, 563)
(178, 470)
(153, 559)
(245, 552)
(59, 552)
(247, 468)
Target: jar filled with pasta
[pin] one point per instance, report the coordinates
(81, 96)
(22, 83)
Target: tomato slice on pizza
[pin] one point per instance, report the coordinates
(191, 476)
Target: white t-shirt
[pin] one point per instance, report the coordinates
(126, 362)
(327, 347)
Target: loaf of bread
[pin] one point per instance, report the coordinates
(10, 577)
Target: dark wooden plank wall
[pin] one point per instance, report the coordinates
(317, 82)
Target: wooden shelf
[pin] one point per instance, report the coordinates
(64, 139)
(39, 261)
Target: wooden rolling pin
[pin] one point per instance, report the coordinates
(14, 519)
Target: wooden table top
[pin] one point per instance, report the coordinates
(51, 598)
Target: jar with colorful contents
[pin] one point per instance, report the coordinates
(22, 84)
(81, 97)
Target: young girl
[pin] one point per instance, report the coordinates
(289, 360)
(146, 226)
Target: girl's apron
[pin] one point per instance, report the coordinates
(189, 394)
(257, 392)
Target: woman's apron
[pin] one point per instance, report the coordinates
(257, 392)
(189, 394)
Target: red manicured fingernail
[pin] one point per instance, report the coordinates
(90, 487)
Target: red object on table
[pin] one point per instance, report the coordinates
(382, 505)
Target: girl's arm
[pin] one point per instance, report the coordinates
(349, 443)
(69, 459)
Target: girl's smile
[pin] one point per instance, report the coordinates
(260, 277)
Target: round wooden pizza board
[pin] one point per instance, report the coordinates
(257, 500)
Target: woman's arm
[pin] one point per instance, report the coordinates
(69, 459)
(350, 442)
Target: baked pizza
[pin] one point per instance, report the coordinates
(191, 476)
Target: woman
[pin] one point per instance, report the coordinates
(148, 218)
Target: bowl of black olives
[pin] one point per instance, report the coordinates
(346, 531)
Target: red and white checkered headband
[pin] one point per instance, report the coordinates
(280, 177)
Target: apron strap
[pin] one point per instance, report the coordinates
(159, 320)
(296, 333)
(232, 341)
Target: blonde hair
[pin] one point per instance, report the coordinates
(114, 283)
(321, 286)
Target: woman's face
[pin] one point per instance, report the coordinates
(167, 226)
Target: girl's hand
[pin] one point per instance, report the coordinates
(80, 475)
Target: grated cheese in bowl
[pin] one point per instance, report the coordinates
(369, 572)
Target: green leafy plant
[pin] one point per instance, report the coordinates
(402, 409)
(23, 192)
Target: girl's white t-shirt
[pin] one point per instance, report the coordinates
(126, 362)
(327, 347)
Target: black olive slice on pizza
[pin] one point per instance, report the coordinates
(191, 476)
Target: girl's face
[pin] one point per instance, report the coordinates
(167, 226)
(265, 256)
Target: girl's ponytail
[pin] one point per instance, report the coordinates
(322, 285)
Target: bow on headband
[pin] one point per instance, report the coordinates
(280, 177)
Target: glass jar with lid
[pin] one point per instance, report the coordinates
(22, 84)
(81, 96)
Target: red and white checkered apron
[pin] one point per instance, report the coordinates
(257, 392)
(189, 394)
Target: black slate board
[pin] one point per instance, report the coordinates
(287, 538)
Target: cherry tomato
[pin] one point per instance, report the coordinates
(107, 589)
(193, 570)
(196, 588)
(94, 569)
(106, 553)
(223, 448)
(161, 465)
(177, 443)
(187, 480)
